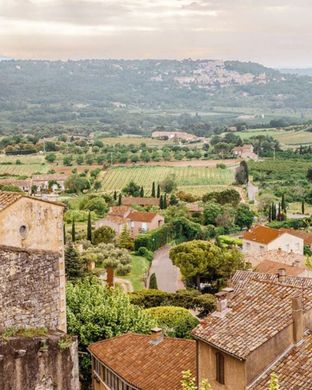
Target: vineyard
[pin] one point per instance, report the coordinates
(117, 178)
(22, 170)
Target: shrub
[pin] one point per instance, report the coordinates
(176, 321)
(103, 234)
(144, 252)
(154, 239)
(153, 282)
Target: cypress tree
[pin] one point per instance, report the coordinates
(115, 195)
(283, 204)
(153, 282)
(279, 214)
(161, 203)
(158, 191)
(273, 211)
(270, 213)
(302, 207)
(153, 190)
(73, 232)
(142, 192)
(119, 200)
(89, 228)
(165, 201)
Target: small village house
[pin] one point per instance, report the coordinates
(123, 217)
(262, 238)
(245, 152)
(50, 182)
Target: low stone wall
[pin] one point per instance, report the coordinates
(30, 288)
(39, 363)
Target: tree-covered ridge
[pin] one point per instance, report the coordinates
(56, 91)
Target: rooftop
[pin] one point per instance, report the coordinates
(145, 365)
(287, 258)
(272, 267)
(294, 370)
(52, 176)
(8, 198)
(129, 201)
(141, 216)
(119, 210)
(262, 234)
(306, 236)
(260, 308)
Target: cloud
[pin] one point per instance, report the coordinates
(273, 32)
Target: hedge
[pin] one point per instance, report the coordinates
(175, 321)
(189, 299)
(154, 239)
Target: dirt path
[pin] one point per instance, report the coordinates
(168, 276)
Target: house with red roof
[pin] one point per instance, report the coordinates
(137, 222)
(262, 238)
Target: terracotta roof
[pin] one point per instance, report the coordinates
(272, 267)
(141, 216)
(114, 218)
(260, 308)
(307, 237)
(52, 176)
(262, 234)
(294, 371)
(288, 258)
(119, 210)
(144, 365)
(20, 183)
(8, 198)
(130, 201)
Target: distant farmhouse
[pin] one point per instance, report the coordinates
(175, 135)
(245, 152)
(262, 238)
(39, 183)
(32, 296)
(136, 222)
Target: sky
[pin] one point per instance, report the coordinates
(272, 32)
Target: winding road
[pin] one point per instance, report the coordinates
(168, 275)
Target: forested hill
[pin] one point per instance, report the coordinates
(44, 91)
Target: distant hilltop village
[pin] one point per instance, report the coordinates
(32, 292)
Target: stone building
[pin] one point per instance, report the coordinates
(32, 297)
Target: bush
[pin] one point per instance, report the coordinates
(153, 282)
(103, 234)
(189, 299)
(176, 321)
(144, 252)
(154, 239)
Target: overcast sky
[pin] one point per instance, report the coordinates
(272, 32)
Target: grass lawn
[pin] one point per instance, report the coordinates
(139, 268)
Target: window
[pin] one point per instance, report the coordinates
(220, 368)
(23, 231)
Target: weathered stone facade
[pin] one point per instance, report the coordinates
(39, 363)
(31, 284)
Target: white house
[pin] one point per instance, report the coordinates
(262, 238)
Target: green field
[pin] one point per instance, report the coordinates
(288, 138)
(117, 178)
(136, 276)
(29, 165)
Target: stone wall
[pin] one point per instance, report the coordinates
(39, 363)
(32, 293)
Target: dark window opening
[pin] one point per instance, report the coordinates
(220, 368)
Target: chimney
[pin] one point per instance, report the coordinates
(221, 301)
(298, 320)
(281, 275)
(157, 336)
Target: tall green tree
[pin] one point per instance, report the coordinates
(115, 195)
(153, 190)
(161, 202)
(142, 192)
(283, 203)
(303, 207)
(153, 282)
(203, 259)
(119, 199)
(158, 191)
(73, 231)
(75, 267)
(165, 201)
(241, 174)
(89, 228)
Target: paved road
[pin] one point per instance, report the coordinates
(252, 191)
(168, 276)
